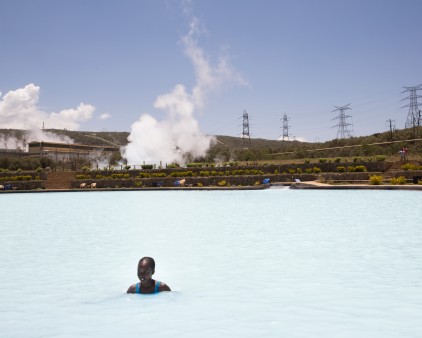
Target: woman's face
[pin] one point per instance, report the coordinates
(145, 271)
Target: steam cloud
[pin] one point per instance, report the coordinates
(18, 110)
(179, 133)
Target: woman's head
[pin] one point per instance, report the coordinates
(146, 268)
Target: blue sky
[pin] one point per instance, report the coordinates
(298, 58)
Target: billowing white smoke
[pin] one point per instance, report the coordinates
(178, 134)
(18, 110)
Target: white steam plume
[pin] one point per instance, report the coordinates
(19, 110)
(179, 133)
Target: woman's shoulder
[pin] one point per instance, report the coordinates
(132, 289)
(163, 287)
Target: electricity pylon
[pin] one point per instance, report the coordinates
(342, 125)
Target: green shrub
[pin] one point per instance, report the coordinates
(299, 171)
(357, 159)
(85, 168)
(115, 176)
(143, 175)
(292, 171)
(341, 169)
(83, 177)
(308, 170)
(196, 165)
(360, 168)
(158, 175)
(375, 180)
(307, 161)
(39, 169)
(398, 180)
(275, 172)
(16, 178)
(380, 158)
(182, 174)
(322, 160)
(408, 166)
(238, 172)
(172, 165)
(337, 160)
(127, 176)
(351, 169)
(316, 170)
(204, 173)
(222, 183)
(200, 184)
(147, 166)
(127, 167)
(37, 178)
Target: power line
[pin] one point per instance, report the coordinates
(342, 125)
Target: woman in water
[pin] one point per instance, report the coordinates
(146, 268)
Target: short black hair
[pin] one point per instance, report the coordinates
(149, 260)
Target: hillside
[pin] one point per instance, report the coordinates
(234, 148)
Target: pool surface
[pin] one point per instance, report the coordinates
(267, 263)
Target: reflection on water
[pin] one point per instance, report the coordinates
(268, 263)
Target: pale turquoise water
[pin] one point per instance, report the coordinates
(271, 263)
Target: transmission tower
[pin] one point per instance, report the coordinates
(245, 132)
(342, 125)
(414, 115)
(285, 128)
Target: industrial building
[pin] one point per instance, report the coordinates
(67, 152)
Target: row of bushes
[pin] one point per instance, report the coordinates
(377, 158)
(24, 163)
(19, 170)
(292, 171)
(409, 166)
(18, 178)
(200, 165)
(102, 177)
(352, 169)
(188, 173)
(377, 180)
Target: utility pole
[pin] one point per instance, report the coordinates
(285, 128)
(342, 125)
(392, 128)
(245, 132)
(414, 114)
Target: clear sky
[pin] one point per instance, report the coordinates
(298, 57)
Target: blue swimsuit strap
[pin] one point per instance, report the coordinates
(138, 287)
(157, 286)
